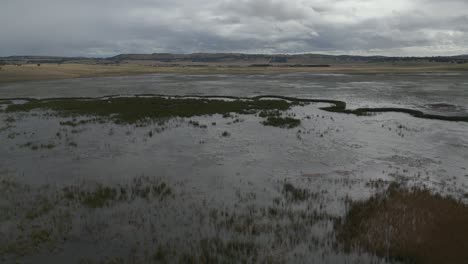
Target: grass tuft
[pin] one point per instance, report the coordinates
(295, 194)
(282, 122)
(413, 226)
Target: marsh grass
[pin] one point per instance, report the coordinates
(409, 225)
(282, 122)
(340, 107)
(6, 102)
(269, 113)
(10, 119)
(140, 110)
(44, 215)
(295, 194)
(105, 196)
(13, 135)
(131, 110)
(36, 239)
(34, 146)
(247, 232)
(275, 118)
(75, 123)
(217, 250)
(283, 222)
(44, 207)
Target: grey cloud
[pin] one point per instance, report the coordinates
(108, 27)
(271, 9)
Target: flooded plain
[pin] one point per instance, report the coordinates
(210, 186)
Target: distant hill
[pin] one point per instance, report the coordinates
(235, 58)
(37, 59)
(464, 57)
(278, 58)
(204, 59)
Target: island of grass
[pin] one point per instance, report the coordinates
(141, 109)
(283, 122)
(147, 107)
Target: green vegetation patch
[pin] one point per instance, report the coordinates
(33, 146)
(10, 119)
(295, 194)
(104, 196)
(74, 123)
(282, 122)
(413, 226)
(247, 232)
(340, 107)
(45, 215)
(215, 250)
(275, 118)
(136, 109)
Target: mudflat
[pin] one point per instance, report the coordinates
(53, 71)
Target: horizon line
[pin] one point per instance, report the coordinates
(232, 53)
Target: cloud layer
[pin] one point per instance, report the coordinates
(109, 27)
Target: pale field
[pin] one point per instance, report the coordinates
(31, 72)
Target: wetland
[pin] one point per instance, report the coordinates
(271, 168)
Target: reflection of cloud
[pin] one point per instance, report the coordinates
(107, 27)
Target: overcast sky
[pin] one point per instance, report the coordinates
(109, 27)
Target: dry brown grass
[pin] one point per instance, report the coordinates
(30, 72)
(413, 226)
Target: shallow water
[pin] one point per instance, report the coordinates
(418, 91)
(334, 156)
